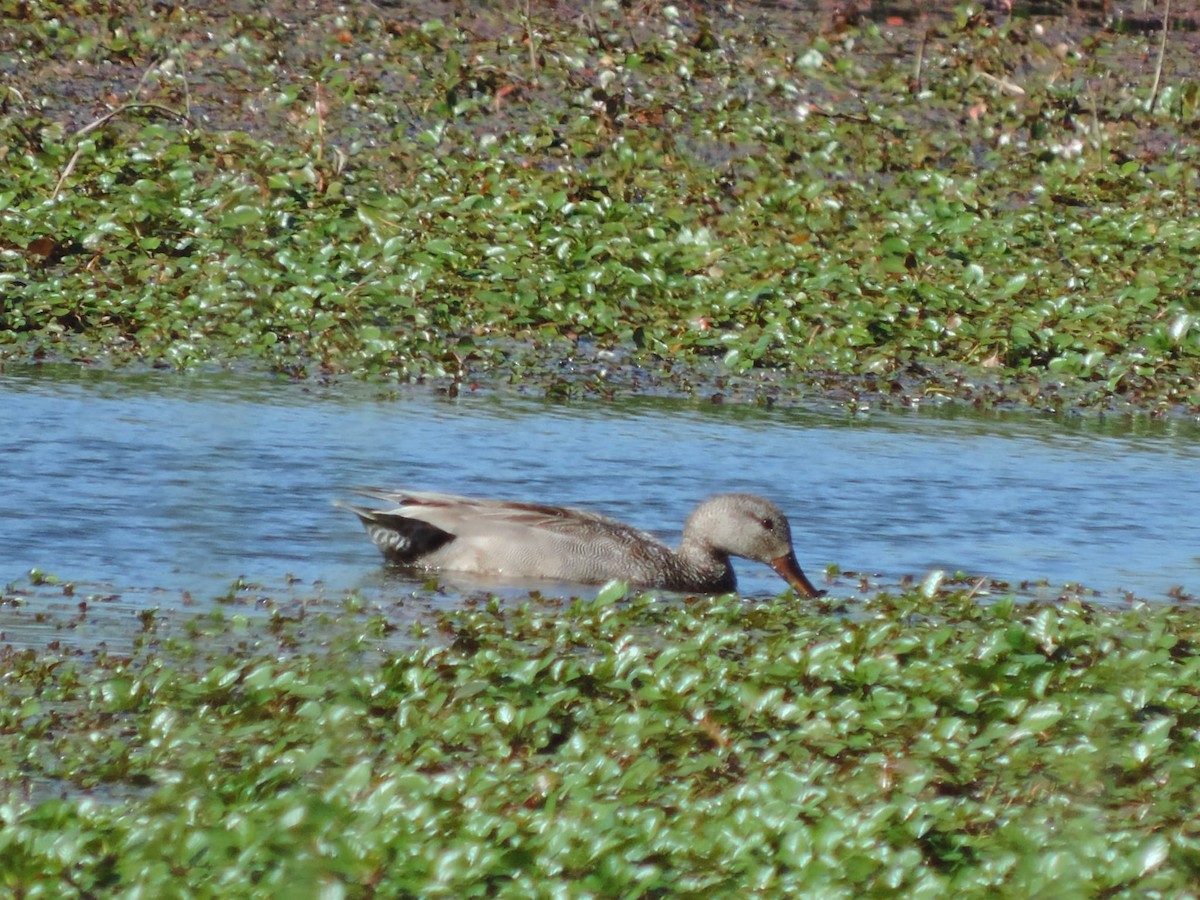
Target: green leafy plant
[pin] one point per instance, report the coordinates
(393, 196)
(918, 741)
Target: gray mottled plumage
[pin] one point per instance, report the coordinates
(445, 532)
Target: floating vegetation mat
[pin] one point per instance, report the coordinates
(920, 742)
(913, 205)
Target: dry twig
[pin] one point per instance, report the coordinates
(104, 120)
(1162, 50)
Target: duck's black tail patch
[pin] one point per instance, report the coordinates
(402, 540)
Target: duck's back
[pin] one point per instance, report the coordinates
(529, 540)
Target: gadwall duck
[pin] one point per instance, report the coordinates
(429, 531)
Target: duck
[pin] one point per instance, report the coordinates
(503, 539)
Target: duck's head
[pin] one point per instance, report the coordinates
(750, 527)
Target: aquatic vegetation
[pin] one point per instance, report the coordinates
(620, 745)
(991, 210)
(383, 192)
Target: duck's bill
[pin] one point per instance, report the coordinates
(787, 567)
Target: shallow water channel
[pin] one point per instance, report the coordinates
(150, 480)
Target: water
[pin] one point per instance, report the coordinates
(145, 481)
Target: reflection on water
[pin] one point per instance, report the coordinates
(190, 482)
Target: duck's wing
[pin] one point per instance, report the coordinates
(526, 539)
(450, 512)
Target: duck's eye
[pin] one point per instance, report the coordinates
(767, 522)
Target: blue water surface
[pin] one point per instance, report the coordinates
(189, 482)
